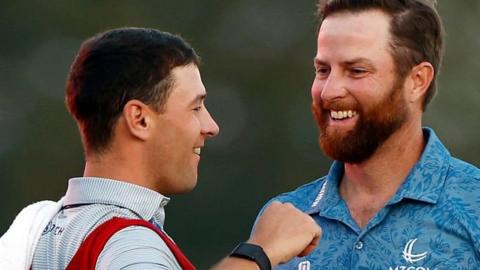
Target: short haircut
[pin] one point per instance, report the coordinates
(416, 30)
(116, 66)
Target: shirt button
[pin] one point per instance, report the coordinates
(359, 245)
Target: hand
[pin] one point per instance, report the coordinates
(284, 232)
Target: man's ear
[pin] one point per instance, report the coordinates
(138, 118)
(421, 77)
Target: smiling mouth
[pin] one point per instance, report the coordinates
(197, 150)
(341, 115)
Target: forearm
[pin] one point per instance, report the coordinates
(232, 263)
(281, 233)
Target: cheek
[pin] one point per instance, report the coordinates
(316, 90)
(185, 124)
(195, 124)
(365, 91)
(190, 130)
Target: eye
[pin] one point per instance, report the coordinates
(198, 107)
(322, 71)
(357, 72)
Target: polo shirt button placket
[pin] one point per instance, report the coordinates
(359, 245)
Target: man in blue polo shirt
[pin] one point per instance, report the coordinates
(394, 197)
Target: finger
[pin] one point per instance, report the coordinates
(275, 203)
(311, 247)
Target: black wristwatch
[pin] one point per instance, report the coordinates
(253, 253)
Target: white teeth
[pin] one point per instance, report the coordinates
(197, 150)
(338, 115)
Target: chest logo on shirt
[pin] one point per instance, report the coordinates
(54, 228)
(408, 254)
(411, 257)
(305, 265)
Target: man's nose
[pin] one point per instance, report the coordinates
(210, 127)
(333, 87)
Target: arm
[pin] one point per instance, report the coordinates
(283, 232)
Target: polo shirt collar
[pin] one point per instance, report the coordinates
(146, 203)
(328, 198)
(424, 182)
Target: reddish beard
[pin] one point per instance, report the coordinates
(373, 127)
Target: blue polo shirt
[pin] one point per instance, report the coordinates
(432, 222)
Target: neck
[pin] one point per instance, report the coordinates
(367, 186)
(389, 165)
(118, 166)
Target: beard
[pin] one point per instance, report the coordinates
(373, 127)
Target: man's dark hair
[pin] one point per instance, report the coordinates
(116, 66)
(415, 27)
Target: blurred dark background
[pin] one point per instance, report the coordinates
(257, 67)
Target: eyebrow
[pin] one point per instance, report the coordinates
(357, 60)
(198, 98)
(319, 62)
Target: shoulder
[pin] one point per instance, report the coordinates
(461, 190)
(459, 204)
(64, 234)
(303, 196)
(463, 170)
(462, 178)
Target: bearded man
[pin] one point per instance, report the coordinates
(394, 197)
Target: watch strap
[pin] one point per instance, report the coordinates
(254, 253)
